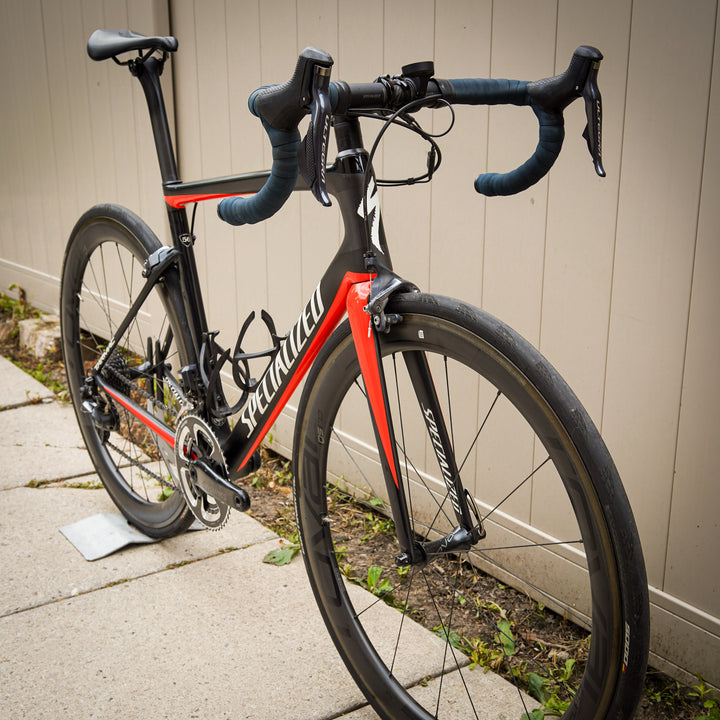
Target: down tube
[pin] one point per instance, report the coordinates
(319, 318)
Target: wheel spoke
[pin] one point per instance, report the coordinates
(516, 488)
(479, 431)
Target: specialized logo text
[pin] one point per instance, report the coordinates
(441, 458)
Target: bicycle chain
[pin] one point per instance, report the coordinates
(140, 391)
(138, 464)
(133, 461)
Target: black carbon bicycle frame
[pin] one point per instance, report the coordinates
(344, 288)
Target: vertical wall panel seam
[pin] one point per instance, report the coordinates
(71, 135)
(7, 206)
(547, 196)
(203, 270)
(229, 70)
(116, 171)
(617, 215)
(300, 233)
(86, 97)
(690, 299)
(139, 114)
(54, 162)
(487, 159)
(544, 257)
(174, 82)
(338, 220)
(430, 184)
(381, 193)
(263, 79)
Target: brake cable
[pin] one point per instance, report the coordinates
(403, 119)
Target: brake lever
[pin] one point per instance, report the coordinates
(593, 112)
(554, 94)
(313, 152)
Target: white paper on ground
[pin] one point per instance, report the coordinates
(103, 534)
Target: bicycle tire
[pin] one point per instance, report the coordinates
(525, 390)
(101, 276)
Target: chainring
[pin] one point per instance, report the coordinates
(195, 439)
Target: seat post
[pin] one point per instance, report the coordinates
(148, 72)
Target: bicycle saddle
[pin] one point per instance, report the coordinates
(104, 44)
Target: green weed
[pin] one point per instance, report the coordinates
(377, 584)
(165, 493)
(17, 308)
(706, 695)
(376, 525)
(283, 554)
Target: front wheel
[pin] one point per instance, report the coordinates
(554, 597)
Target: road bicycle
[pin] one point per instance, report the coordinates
(420, 415)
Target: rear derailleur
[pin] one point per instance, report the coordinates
(101, 410)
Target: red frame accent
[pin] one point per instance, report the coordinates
(179, 201)
(351, 297)
(332, 319)
(361, 326)
(139, 413)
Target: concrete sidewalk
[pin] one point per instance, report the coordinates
(193, 627)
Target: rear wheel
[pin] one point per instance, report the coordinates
(558, 529)
(101, 278)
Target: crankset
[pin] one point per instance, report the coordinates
(203, 474)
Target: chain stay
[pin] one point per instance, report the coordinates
(157, 403)
(141, 391)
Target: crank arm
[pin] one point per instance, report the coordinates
(217, 486)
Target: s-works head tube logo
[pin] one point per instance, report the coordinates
(372, 202)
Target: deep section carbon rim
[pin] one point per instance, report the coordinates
(547, 538)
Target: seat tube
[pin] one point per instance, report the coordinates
(192, 294)
(148, 73)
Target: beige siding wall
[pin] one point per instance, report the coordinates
(615, 280)
(72, 133)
